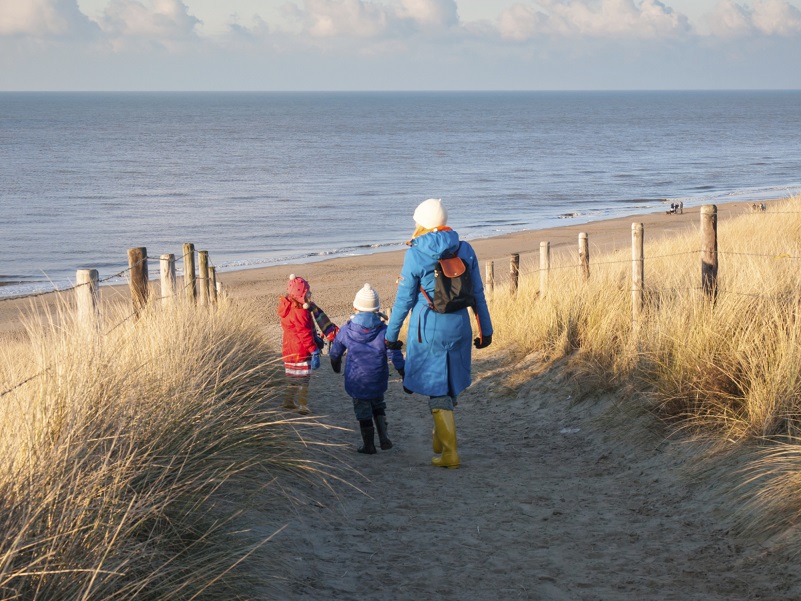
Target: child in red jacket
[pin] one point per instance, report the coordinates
(301, 346)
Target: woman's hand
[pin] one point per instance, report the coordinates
(483, 342)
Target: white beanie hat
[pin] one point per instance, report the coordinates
(366, 299)
(430, 214)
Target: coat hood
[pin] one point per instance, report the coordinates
(284, 306)
(364, 327)
(436, 244)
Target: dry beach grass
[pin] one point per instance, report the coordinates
(119, 456)
(596, 464)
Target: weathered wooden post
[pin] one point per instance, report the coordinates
(545, 267)
(489, 270)
(167, 263)
(514, 271)
(213, 284)
(189, 271)
(86, 294)
(203, 276)
(584, 254)
(137, 262)
(709, 251)
(637, 272)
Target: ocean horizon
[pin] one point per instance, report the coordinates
(272, 178)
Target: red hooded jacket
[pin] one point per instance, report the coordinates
(298, 326)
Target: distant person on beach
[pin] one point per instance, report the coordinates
(301, 345)
(366, 370)
(438, 355)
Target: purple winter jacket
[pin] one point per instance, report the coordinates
(366, 370)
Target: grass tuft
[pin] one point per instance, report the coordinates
(728, 370)
(118, 454)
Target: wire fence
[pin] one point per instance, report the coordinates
(191, 283)
(532, 268)
(531, 263)
(114, 276)
(510, 280)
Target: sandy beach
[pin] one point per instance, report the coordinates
(553, 501)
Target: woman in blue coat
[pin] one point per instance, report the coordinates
(439, 349)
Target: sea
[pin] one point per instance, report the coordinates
(263, 179)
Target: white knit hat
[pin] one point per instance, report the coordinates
(430, 214)
(366, 299)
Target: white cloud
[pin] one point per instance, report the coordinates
(44, 19)
(431, 13)
(397, 44)
(163, 20)
(767, 17)
(592, 18)
(368, 19)
(335, 18)
(520, 22)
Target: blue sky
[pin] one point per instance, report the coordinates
(399, 44)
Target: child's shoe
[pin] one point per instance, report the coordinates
(381, 426)
(368, 436)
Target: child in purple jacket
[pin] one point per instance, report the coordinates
(366, 370)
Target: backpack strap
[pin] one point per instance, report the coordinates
(428, 298)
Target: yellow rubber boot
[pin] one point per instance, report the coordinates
(436, 444)
(303, 399)
(445, 428)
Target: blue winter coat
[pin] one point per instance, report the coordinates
(366, 370)
(438, 345)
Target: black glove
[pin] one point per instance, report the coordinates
(402, 372)
(394, 346)
(336, 364)
(483, 342)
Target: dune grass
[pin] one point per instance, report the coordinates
(118, 453)
(728, 371)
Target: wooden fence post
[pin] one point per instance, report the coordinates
(584, 254)
(213, 284)
(167, 263)
(137, 262)
(489, 270)
(709, 251)
(86, 294)
(189, 271)
(637, 272)
(545, 267)
(514, 271)
(203, 276)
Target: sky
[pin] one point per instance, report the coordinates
(277, 45)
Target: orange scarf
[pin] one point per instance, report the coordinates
(420, 230)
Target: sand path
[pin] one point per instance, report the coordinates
(548, 505)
